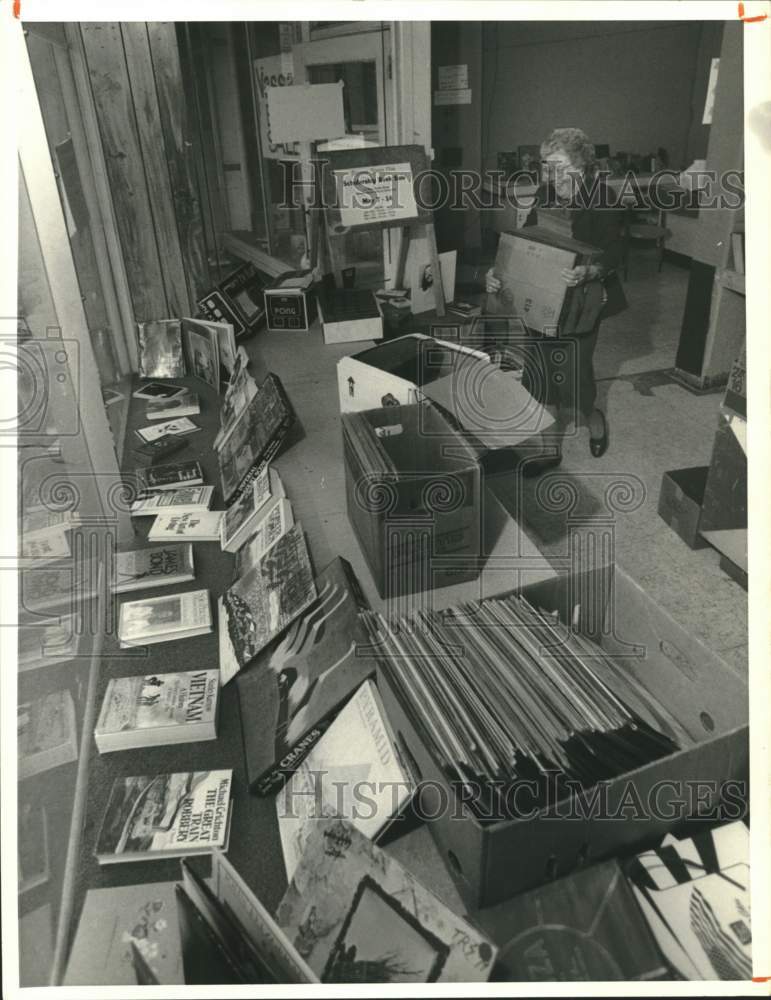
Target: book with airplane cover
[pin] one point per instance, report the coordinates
(165, 816)
(293, 691)
(240, 520)
(141, 569)
(186, 404)
(178, 427)
(46, 732)
(357, 916)
(354, 771)
(256, 437)
(261, 604)
(161, 619)
(275, 521)
(197, 526)
(170, 477)
(183, 500)
(157, 710)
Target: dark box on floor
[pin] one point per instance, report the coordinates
(680, 500)
(412, 487)
(494, 860)
(290, 303)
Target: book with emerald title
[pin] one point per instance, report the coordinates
(157, 710)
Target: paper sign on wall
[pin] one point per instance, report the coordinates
(452, 96)
(274, 71)
(375, 194)
(453, 77)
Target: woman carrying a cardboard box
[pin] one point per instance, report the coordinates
(572, 190)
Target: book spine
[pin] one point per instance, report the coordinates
(272, 780)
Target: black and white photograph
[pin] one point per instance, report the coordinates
(421, 352)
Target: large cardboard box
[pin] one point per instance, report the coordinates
(529, 264)
(412, 487)
(680, 500)
(494, 860)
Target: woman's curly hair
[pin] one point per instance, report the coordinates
(574, 143)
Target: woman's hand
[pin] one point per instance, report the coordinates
(579, 275)
(492, 284)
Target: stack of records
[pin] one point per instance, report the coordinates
(503, 694)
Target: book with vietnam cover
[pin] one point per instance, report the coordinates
(293, 691)
(165, 816)
(158, 709)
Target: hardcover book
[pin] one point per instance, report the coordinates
(199, 526)
(354, 772)
(157, 710)
(117, 923)
(185, 500)
(293, 691)
(161, 619)
(356, 916)
(240, 520)
(186, 404)
(241, 389)
(585, 927)
(160, 349)
(274, 523)
(141, 569)
(46, 733)
(165, 816)
(255, 438)
(171, 477)
(262, 603)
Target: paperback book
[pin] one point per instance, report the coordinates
(165, 816)
(354, 771)
(160, 349)
(200, 344)
(156, 391)
(273, 524)
(186, 404)
(240, 520)
(161, 619)
(54, 641)
(197, 526)
(357, 916)
(170, 477)
(180, 426)
(262, 603)
(62, 587)
(141, 569)
(46, 733)
(172, 348)
(241, 389)
(184, 500)
(255, 438)
(292, 693)
(157, 710)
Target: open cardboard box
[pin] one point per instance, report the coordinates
(495, 860)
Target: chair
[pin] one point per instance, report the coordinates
(643, 230)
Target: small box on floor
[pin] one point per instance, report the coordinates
(348, 315)
(412, 487)
(289, 302)
(680, 500)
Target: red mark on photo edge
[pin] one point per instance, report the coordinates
(747, 20)
(760, 979)
(17, 8)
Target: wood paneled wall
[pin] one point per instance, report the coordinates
(150, 152)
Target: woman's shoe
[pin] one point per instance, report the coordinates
(598, 446)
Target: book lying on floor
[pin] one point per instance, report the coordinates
(584, 927)
(240, 519)
(185, 500)
(178, 426)
(158, 390)
(273, 524)
(197, 526)
(354, 771)
(141, 569)
(157, 710)
(170, 477)
(256, 436)
(362, 918)
(294, 690)
(261, 604)
(33, 854)
(695, 896)
(46, 733)
(165, 816)
(119, 921)
(56, 586)
(186, 404)
(162, 619)
(51, 641)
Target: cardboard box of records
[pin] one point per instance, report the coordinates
(704, 704)
(413, 497)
